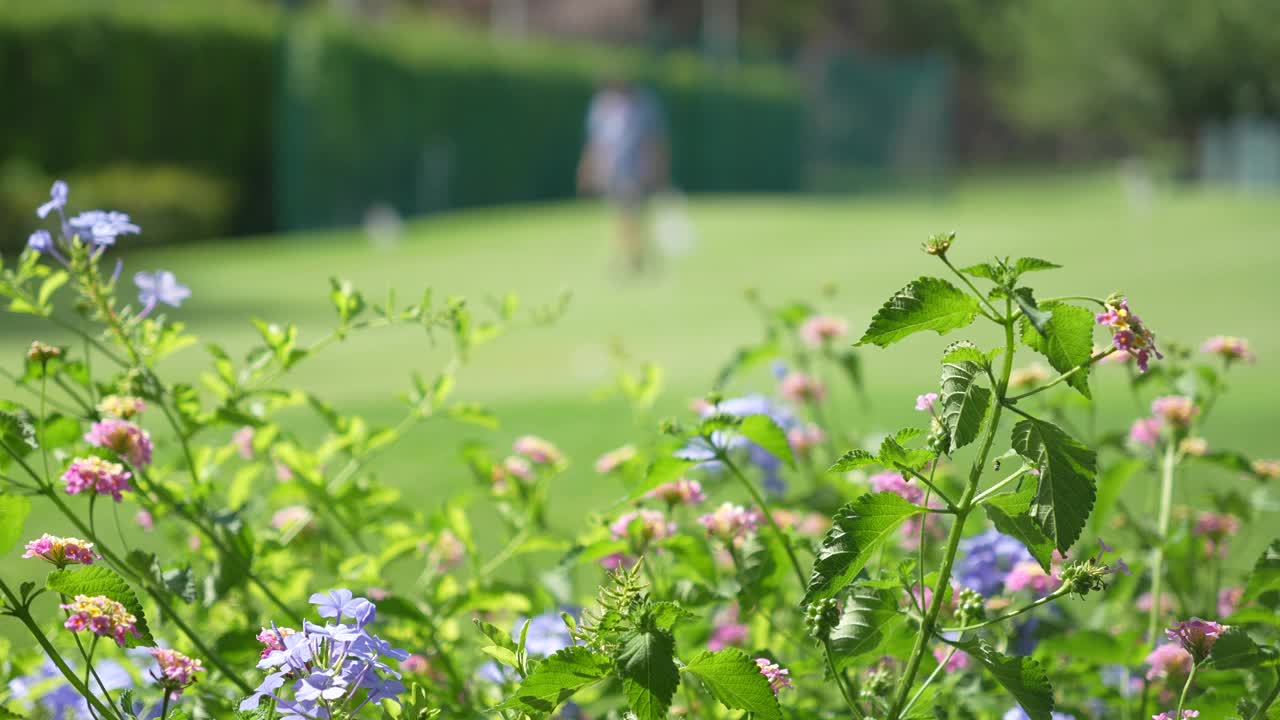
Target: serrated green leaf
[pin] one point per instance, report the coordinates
(99, 580)
(1011, 514)
(1235, 650)
(1031, 264)
(964, 402)
(893, 455)
(763, 565)
(1266, 573)
(14, 510)
(763, 431)
(666, 614)
(986, 271)
(963, 351)
(853, 460)
(857, 529)
(661, 471)
(925, 304)
(735, 680)
(1022, 677)
(1032, 312)
(867, 617)
(556, 679)
(646, 662)
(1066, 489)
(504, 656)
(1066, 343)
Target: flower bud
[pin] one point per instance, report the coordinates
(821, 617)
(41, 353)
(939, 244)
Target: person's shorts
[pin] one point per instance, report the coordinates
(628, 193)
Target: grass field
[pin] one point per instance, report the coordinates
(1194, 263)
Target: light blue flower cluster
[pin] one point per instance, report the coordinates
(770, 466)
(330, 667)
(100, 228)
(987, 559)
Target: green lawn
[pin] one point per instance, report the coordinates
(1194, 263)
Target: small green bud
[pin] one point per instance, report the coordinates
(670, 426)
(821, 617)
(939, 244)
(972, 607)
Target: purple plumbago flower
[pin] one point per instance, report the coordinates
(340, 603)
(547, 633)
(336, 667)
(46, 688)
(57, 199)
(160, 286)
(102, 227)
(925, 402)
(705, 451)
(1017, 713)
(40, 241)
(1196, 636)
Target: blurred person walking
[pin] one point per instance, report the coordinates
(626, 159)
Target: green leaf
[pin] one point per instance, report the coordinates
(646, 662)
(964, 402)
(1011, 514)
(986, 271)
(735, 680)
(496, 635)
(1067, 471)
(893, 455)
(556, 679)
(1031, 264)
(99, 580)
(1111, 484)
(666, 614)
(662, 471)
(747, 357)
(14, 510)
(1031, 312)
(1022, 677)
(1235, 650)
(963, 351)
(926, 304)
(763, 565)
(17, 431)
(1265, 577)
(853, 460)
(346, 300)
(763, 431)
(857, 529)
(867, 617)
(1066, 343)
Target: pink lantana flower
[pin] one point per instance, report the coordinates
(818, 330)
(97, 476)
(122, 437)
(61, 551)
(1229, 348)
(779, 677)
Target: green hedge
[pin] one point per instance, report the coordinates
(312, 120)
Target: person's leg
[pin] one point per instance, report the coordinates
(632, 238)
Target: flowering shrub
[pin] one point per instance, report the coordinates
(773, 553)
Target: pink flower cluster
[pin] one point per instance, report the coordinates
(121, 406)
(727, 631)
(95, 475)
(1173, 715)
(1177, 410)
(1229, 599)
(892, 482)
(731, 523)
(801, 388)
(449, 551)
(177, 671)
(1228, 347)
(805, 438)
(122, 437)
(648, 525)
(538, 451)
(512, 466)
(61, 551)
(925, 402)
(779, 677)
(1268, 469)
(1196, 636)
(1168, 660)
(101, 616)
(679, 492)
(1215, 528)
(1128, 333)
(615, 459)
(818, 330)
(960, 660)
(1145, 431)
(272, 639)
(1028, 575)
(809, 524)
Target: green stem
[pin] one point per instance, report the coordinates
(1064, 376)
(929, 680)
(1011, 614)
(759, 500)
(995, 315)
(929, 622)
(951, 506)
(840, 681)
(991, 491)
(21, 612)
(1182, 699)
(1261, 712)
(164, 707)
(1086, 298)
(1162, 537)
